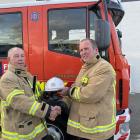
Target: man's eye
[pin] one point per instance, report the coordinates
(16, 56)
(86, 49)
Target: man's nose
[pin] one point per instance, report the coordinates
(21, 59)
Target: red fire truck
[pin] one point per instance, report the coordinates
(49, 32)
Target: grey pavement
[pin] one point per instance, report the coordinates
(134, 105)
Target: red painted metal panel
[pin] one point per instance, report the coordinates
(35, 33)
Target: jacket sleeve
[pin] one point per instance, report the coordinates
(96, 88)
(14, 97)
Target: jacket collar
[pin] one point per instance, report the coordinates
(20, 71)
(91, 62)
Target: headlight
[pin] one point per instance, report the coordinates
(124, 128)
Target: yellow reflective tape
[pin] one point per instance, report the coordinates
(4, 103)
(10, 138)
(91, 130)
(34, 108)
(113, 71)
(76, 93)
(15, 136)
(12, 94)
(74, 96)
(114, 86)
(98, 130)
(114, 101)
(31, 85)
(37, 91)
(114, 110)
(2, 112)
(73, 123)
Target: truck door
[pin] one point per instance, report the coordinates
(35, 26)
(61, 38)
(13, 33)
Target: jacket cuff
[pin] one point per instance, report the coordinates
(71, 91)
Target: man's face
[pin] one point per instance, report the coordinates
(17, 58)
(86, 51)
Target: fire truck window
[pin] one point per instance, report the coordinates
(93, 17)
(10, 32)
(66, 28)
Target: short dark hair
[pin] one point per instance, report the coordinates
(93, 43)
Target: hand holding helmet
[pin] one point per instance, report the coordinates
(54, 86)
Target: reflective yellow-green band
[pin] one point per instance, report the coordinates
(2, 112)
(76, 93)
(12, 94)
(114, 102)
(15, 136)
(30, 84)
(37, 91)
(91, 130)
(34, 108)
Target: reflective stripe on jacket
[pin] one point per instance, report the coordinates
(21, 114)
(93, 108)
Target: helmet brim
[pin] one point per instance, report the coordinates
(55, 89)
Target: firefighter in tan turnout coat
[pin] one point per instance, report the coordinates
(22, 115)
(93, 111)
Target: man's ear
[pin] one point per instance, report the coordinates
(96, 50)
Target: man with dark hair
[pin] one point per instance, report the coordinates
(22, 115)
(93, 108)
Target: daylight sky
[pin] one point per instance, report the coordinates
(130, 27)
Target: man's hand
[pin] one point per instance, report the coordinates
(55, 111)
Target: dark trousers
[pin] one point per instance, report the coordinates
(112, 138)
(47, 137)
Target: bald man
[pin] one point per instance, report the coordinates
(22, 115)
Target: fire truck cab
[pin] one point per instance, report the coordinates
(49, 32)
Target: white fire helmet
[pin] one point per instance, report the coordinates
(54, 84)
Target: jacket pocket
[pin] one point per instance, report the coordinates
(88, 118)
(88, 121)
(25, 127)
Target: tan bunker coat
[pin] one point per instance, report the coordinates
(21, 114)
(93, 110)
